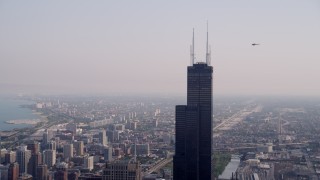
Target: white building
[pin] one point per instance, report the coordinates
(88, 162)
(103, 137)
(49, 157)
(39, 105)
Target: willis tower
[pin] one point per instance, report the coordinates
(192, 159)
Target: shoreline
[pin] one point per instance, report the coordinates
(24, 121)
(34, 121)
(28, 122)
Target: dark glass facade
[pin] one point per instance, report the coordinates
(192, 160)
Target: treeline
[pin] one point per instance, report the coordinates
(220, 161)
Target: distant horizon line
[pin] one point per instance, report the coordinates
(154, 95)
(45, 90)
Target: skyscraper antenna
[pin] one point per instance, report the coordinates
(192, 49)
(208, 52)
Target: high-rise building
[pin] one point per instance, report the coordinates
(2, 154)
(78, 146)
(35, 160)
(23, 157)
(122, 170)
(34, 147)
(103, 137)
(107, 154)
(47, 135)
(13, 172)
(4, 172)
(42, 172)
(10, 157)
(52, 145)
(68, 151)
(61, 172)
(88, 162)
(192, 158)
(111, 136)
(49, 157)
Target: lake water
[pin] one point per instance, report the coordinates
(10, 110)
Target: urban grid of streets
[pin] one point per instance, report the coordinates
(268, 135)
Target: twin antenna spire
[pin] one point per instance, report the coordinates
(208, 50)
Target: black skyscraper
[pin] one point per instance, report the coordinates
(192, 160)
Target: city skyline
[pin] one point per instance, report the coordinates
(140, 47)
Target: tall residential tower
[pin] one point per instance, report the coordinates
(192, 160)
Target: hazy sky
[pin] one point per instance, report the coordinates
(84, 46)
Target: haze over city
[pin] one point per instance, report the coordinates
(159, 90)
(103, 47)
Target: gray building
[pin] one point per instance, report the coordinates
(78, 146)
(49, 157)
(107, 153)
(23, 157)
(68, 151)
(122, 170)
